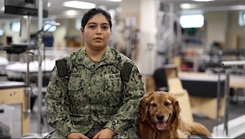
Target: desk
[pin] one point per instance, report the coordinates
(235, 80)
(208, 105)
(15, 93)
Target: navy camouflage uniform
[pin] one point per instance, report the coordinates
(94, 97)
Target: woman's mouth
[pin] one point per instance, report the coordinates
(98, 39)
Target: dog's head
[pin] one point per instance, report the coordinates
(160, 108)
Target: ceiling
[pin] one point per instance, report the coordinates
(216, 5)
(57, 9)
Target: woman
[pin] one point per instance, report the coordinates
(97, 93)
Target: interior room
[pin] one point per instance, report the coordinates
(192, 49)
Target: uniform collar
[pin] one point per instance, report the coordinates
(108, 58)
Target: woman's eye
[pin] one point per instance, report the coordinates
(105, 27)
(91, 27)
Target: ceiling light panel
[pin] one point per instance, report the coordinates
(79, 4)
(202, 0)
(115, 0)
(192, 21)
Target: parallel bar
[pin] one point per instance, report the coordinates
(232, 63)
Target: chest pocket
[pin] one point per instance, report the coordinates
(75, 82)
(75, 91)
(113, 82)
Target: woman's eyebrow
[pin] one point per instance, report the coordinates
(92, 23)
(97, 23)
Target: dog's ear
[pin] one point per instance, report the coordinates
(144, 105)
(176, 107)
(176, 110)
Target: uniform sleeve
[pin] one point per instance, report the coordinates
(129, 112)
(57, 111)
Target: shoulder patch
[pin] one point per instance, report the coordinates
(61, 67)
(126, 71)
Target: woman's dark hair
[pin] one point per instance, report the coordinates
(94, 11)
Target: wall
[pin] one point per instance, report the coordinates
(216, 27)
(67, 28)
(224, 27)
(221, 26)
(235, 32)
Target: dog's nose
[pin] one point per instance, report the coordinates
(160, 117)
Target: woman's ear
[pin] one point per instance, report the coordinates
(81, 30)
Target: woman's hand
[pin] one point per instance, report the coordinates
(74, 135)
(105, 133)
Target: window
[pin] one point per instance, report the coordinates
(15, 26)
(242, 19)
(1, 32)
(49, 27)
(191, 21)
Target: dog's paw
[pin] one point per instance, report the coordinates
(186, 133)
(183, 134)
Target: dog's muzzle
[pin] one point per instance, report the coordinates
(161, 124)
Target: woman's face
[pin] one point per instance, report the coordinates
(96, 33)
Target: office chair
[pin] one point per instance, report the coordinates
(160, 79)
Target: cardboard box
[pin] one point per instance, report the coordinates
(175, 88)
(149, 83)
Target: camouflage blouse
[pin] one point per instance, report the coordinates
(94, 94)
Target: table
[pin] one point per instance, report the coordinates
(204, 104)
(16, 93)
(236, 81)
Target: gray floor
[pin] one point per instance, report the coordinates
(45, 128)
(236, 110)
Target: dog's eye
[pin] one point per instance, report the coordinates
(166, 103)
(153, 104)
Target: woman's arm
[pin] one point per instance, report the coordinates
(57, 110)
(129, 112)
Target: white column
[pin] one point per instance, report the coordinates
(145, 13)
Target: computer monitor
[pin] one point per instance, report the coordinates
(9, 40)
(25, 7)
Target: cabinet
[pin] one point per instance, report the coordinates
(17, 93)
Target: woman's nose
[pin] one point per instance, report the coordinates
(98, 30)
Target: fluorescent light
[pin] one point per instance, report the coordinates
(185, 6)
(115, 0)
(79, 4)
(202, 0)
(192, 21)
(49, 4)
(71, 13)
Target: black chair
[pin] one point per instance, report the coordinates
(161, 78)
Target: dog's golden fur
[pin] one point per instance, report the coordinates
(160, 118)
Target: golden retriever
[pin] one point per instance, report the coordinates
(160, 118)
